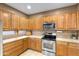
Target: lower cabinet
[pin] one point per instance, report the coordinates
(73, 49)
(67, 48)
(35, 44)
(13, 48)
(38, 45)
(61, 48)
(25, 44)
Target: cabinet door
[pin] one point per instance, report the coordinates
(23, 23)
(31, 24)
(15, 22)
(39, 24)
(47, 19)
(32, 44)
(78, 20)
(38, 45)
(25, 42)
(6, 20)
(73, 49)
(61, 48)
(60, 22)
(71, 20)
(55, 19)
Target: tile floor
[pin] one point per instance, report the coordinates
(31, 53)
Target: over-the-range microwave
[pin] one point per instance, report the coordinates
(49, 26)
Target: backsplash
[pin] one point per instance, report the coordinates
(13, 34)
(37, 33)
(67, 34)
(9, 34)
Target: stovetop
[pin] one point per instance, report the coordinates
(49, 37)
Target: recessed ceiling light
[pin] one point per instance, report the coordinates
(28, 7)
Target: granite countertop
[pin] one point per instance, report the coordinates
(34, 36)
(68, 40)
(18, 38)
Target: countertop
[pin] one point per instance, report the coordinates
(34, 36)
(68, 40)
(18, 38)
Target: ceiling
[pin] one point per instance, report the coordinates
(37, 7)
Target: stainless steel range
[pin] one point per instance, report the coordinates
(49, 40)
(48, 45)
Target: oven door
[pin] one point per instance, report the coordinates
(48, 45)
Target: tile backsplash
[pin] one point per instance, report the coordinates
(9, 34)
(37, 33)
(67, 34)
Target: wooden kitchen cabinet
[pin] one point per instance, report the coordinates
(73, 49)
(47, 19)
(25, 44)
(32, 44)
(38, 45)
(15, 22)
(13, 48)
(23, 23)
(39, 24)
(60, 22)
(61, 48)
(78, 18)
(71, 21)
(67, 48)
(35, 44)
(5, 17)
(31, 24)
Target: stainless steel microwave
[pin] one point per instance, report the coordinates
(49, 26)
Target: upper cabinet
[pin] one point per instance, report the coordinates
(5, 17)
(64, 18)
(71, 21)
(23, 23)
(15, 22)
(78, 18)
(60, 22)
(39, 24)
